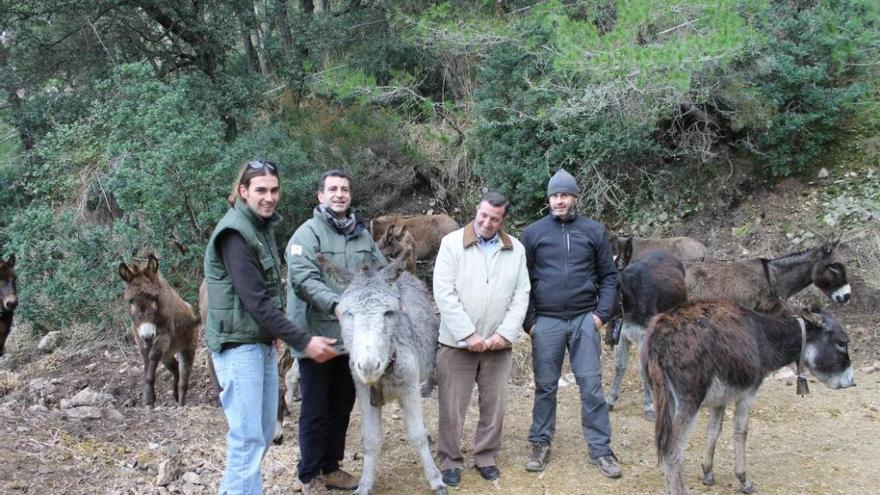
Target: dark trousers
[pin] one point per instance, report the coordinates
(550, 338)
(327, 399)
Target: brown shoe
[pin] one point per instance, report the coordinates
(341, 480)
(315, 487)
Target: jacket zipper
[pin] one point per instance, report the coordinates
(565, 235)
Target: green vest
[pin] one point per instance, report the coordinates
(227, 320)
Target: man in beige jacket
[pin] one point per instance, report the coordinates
(481, 285)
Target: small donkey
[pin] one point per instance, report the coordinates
(390, 331)
(163, 325)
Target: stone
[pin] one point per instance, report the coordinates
(169, 470)
(113, 414)
(49, 342)
(83, 412)
(786, 375)
(823, 173)
(86, 397)
(38, 408)
(872, 368)
(191, 477)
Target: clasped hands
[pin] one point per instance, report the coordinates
(495, 342)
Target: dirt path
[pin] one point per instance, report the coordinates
(824, 443)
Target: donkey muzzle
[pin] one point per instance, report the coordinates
(10, 304)
(147, 331)
(842, 294)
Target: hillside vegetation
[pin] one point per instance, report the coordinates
(123, 122)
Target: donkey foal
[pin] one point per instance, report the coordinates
(712, 353)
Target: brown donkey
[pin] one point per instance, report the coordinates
(163, 326)
(8, 298)
(760, 284)
(708, 354)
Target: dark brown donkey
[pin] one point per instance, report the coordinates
(760, 284)
(8, 298)
(163, 326)
(708, 354)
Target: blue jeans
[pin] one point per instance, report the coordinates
(550, 338)
(248, 375)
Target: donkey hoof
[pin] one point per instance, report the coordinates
(610, 402)
(441, 491)
(709, 479)
(278, 440)
(747, 487)
(649, 415)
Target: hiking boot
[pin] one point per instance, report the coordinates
(315, 487)
(538, 457)
(607, 465)
(451, 477)
(341, 480)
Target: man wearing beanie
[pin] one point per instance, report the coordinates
(573, 287)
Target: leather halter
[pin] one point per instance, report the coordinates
(802, 386)
(377, 396)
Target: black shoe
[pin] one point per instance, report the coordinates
(489, 473)
(451, 477)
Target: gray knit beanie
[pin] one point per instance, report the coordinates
(562, 182)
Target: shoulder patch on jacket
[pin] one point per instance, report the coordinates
(296, 250)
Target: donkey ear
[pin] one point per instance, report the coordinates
(813, 314)
(11, 261)
(830, 244)
(125, 272)
(338, 275)
(626, 253)
(393, 270)
(152, 265)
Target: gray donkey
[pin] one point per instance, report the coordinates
(390, 332)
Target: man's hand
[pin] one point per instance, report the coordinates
(496, 342)
(321, 349)
(597, 322)
(337, 312)
(475, 343)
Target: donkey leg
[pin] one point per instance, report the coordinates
(674, 460)
(285, 362)
(713, 430)
(649, 403)
(173, 366)
(621, 356)
(371, 438)
(154, 354)
(740, 432)
(185, 361)
(413, 417)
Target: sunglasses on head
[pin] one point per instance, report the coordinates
(260, 164)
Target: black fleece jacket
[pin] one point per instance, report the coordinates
(570, 267)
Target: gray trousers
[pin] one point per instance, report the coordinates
(550, 338)
(457, 371)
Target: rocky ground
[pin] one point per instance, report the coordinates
(71, 421)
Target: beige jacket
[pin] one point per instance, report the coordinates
(478, 295)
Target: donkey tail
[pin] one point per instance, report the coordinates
(660, 384)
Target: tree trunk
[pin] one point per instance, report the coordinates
(284, 27)
(258, 43)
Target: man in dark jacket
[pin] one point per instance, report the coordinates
(573, 287)
(244, 315)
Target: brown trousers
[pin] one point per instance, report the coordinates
(457, 370)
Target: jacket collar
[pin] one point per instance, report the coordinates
(470, 237)
(258, 221)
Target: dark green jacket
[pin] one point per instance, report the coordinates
(312, 295)
(227, 320)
